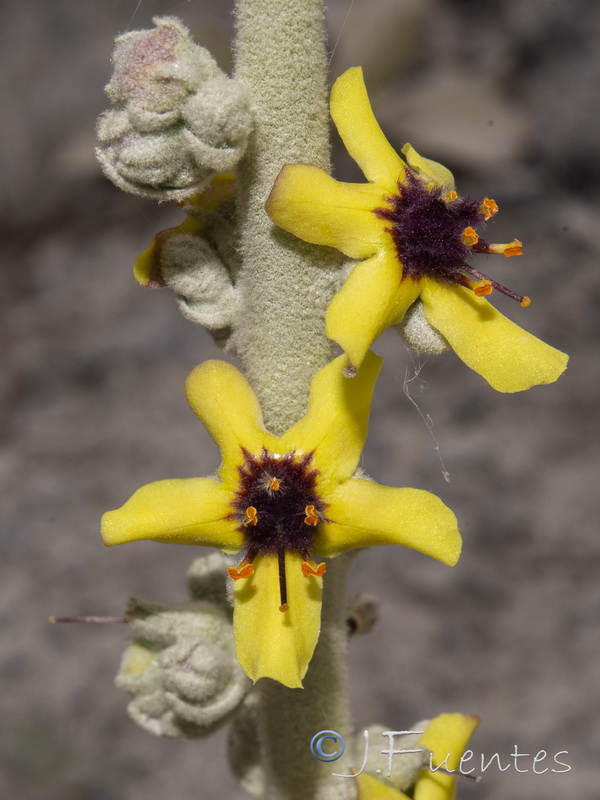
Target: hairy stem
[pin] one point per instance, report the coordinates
(286, 286)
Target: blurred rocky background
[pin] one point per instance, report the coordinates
(505, 93)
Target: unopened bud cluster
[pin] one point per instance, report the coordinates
(177, 119)
(181, 667)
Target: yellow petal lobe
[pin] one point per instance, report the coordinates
(364, 514)
(271, 643)
(309, 203)
(336, 423)
(446, 737)
(508, 357)
(431, 173)
(187, 511)
(222, 398)
(353, 117)
(373, 297)
(372, 789)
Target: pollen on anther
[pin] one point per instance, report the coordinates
(482, 289)
(488, 208)
(470, 236)
(274, 484)
(244, 572)
(514, 248)
(310, 568)
(526, 301)
(451, 196)
(284, 607)
(311, 518)
(251, 516)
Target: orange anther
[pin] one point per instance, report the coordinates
(514, 248)
(451, 196)
(526, 301)
(244, 571)
(488, 208)
(310, 568)
(274, 484)
(284, 607)
(251, 516)
(470, 236)
(311, 518)
(482, 289)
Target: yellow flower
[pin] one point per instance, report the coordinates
(446, 738)
(281, 500)
(414, 233)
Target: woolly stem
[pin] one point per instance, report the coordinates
(286, 287)
(286, 284)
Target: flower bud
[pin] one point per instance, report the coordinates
(181, 669)
(418, 334)
(177, 119)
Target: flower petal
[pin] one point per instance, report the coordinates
(363, 514)
(509, 358)
(271, 643)
(353, 116)
(373, 297)
(446, 737)
(432, 173)
(309, 203)
(372, 789)
(189, 511)
(336, 424)
(223, 399)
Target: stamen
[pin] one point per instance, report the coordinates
(470, 236)
(451, 196)
(488, 208)
(251, 516)
(521, 299)
(274, 484)
(244, 570)
(482, 289)
(282, 581)
(311, 518)
(311, 568)
(514, 248)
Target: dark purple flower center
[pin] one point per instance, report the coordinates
(278, 510)
(434, 233)
(280, 488)
(428, 229)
